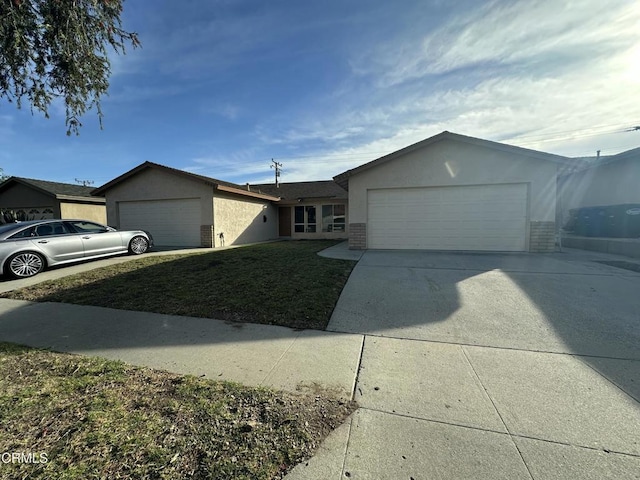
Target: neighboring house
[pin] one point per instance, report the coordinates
(309, 209)
(42, 199)
(453, 192)
(611, 180)
(188, 210)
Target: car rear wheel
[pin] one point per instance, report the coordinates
(138, 245)
(25, 264)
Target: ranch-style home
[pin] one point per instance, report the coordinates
(41, 199)
(448, 192)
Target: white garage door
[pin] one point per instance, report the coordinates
(482, 217)
(171, 222)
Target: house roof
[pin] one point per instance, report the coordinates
(343, 178)
(215, 183)
(587, 163)
(296, 190)
(60, 191)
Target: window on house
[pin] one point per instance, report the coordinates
(333, 218)
(305, 219)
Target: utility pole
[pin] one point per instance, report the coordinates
(278, 168)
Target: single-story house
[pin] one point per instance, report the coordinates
(185, 209)
(448, 192)
(604, 181)
(43, 199)
(309, 209)
(453, 192)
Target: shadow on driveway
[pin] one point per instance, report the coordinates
(560, 303)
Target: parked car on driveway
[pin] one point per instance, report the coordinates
(27, 248)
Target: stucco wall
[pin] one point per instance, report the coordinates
(242, 220)
(96, 213)
(448, 163)
(610, 184)
(154, 184)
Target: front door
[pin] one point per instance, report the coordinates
(284, 223)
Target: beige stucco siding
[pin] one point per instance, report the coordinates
(242, 220)
(154, 184)
(449, 163)
(96, 213)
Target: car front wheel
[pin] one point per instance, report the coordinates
(138, 245)
(25, 264)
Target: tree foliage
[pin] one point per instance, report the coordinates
(57, 49)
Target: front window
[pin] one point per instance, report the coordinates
(305, 219)
(333, 218)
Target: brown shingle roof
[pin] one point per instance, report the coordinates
(295, 190)
(215, 183)
(55, 189)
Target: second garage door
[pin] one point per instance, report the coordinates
(171, 222)
(479, 217)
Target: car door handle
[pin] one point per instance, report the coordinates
(43, 241)
(86, 238)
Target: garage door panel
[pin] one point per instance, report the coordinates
(173, 222)
(482, 217)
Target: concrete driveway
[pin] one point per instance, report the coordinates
(490, 366)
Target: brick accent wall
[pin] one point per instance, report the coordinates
(542, 237)
(357, 236)
(206, 236)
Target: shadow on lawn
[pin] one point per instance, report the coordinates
(284, 284)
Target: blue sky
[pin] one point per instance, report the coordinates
(221, 87)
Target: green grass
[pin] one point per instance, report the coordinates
(282, 283)
(95, 418)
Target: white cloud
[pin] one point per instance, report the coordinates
(512, 71)
(503, 33)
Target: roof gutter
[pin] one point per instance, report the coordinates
(75, 198)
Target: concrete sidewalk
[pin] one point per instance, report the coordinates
(251, 354)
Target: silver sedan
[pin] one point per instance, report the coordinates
(27, 248)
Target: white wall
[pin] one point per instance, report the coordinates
(448, 163)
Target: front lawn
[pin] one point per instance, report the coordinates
(281, 283)
(71, 417)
